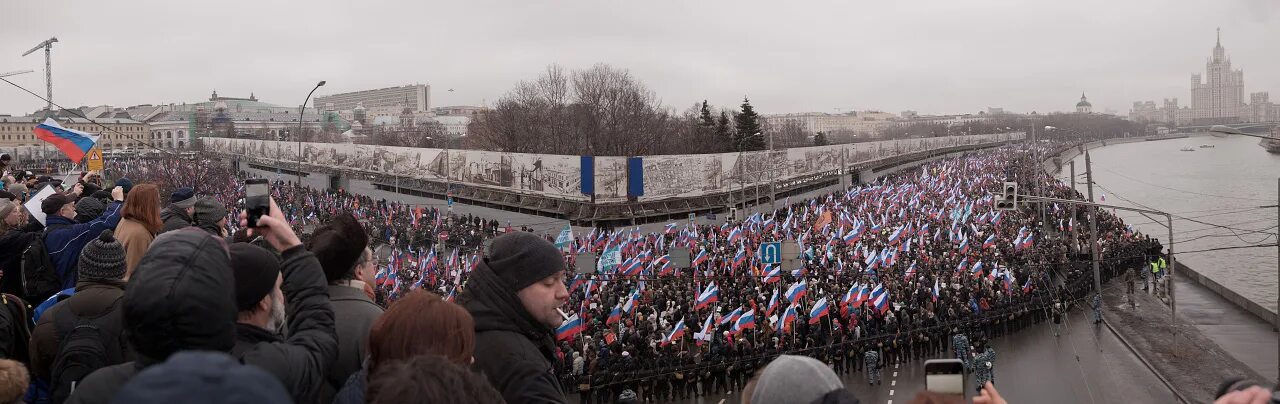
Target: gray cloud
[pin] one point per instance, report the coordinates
(937, 56)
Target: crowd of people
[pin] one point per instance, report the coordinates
(346, 298)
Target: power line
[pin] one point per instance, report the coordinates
(1183, 190)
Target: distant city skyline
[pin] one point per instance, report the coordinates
(934, 57)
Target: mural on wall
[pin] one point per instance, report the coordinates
(680, 176)
(611, 178)
(665, 177)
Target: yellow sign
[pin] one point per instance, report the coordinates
(95, 159)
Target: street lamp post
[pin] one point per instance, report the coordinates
(1275, 320)
(298, 137)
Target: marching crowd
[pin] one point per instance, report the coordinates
(343, 298)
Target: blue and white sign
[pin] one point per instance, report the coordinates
(771, 253)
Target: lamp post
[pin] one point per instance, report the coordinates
(1275, 321)
(298, 137)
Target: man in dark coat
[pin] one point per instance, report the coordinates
(342, 248)
(264, 287)
(181, 297)
(514, 295)
(64, 238)
(182, 204)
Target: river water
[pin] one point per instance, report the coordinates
(1205, 189)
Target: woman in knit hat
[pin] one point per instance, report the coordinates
(140, 224)
(99, 288)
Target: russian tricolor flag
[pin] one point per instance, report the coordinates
(75, 144)
(796, 291)
(571, 327)
(615, 315)
(991, 242)
(708, 296)
(774, 274)
(701, 258)
(747, 320)
(773, 304)
(820, 309)
(676, 334)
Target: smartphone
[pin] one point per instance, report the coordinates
(944, 376)
(257, 199)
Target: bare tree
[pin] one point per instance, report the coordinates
(601, 110)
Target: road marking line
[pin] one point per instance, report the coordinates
(891, 392)
(895, 374)
(890, 401)
(893, 383)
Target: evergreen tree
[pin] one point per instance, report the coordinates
(705, 120)
(723, 137)
(749, 136)
(820, 139)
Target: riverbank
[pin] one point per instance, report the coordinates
(1218, 318)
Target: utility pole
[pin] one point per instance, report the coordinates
(48, 72)
(1073, 175)
(773, 188)
(1093, 227)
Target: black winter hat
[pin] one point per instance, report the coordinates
(521, 259)
(88, 188)
(181, 296)
(183, 198)
(90, 207)
(338, 245)
(256, 270)
(202, 377)
(125, 183)
(102, 258)
(53, 203)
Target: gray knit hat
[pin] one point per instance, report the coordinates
(102, 258)
(795, 379)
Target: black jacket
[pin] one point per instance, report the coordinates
(12, 243)
(174, 218)
(302, 361)
(513, 350)
(181, 297)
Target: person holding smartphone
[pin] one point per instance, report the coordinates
(265, 287)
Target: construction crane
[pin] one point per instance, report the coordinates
(48, 72)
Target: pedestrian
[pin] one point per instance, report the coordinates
(514, 295)
(64, 238)
(181, 297)
(211, 216)
(341, 246)
(178, 213)
(420, 323)
(1096, 303)
(429, 379)
(96, 303)
(960, 345)
(14, 380)
(873, 364)
(14, 239)
(264, 287)
(202, 377)
(796, 379)
(139, 224)
(983, 365)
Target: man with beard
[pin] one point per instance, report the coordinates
(262, 285)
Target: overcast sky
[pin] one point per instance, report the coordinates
(936, 56)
